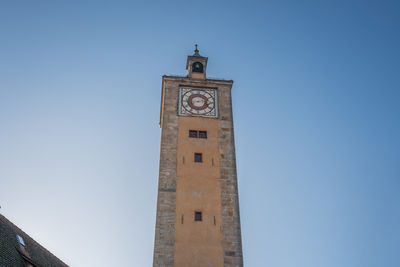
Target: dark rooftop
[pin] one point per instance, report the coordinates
(17, 249)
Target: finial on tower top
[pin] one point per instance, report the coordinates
(196, 51)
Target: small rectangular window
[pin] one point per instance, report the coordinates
(192, 133)
(202, 134)
(197, 216)
(198, 157)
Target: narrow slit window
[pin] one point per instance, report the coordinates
(192, 134)
(198, 157)
(197, 216)
(202, 134)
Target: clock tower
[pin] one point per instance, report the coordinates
(198, 222)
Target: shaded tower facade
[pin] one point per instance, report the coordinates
(198, 222)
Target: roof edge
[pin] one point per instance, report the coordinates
(177, 77)
(7, 221)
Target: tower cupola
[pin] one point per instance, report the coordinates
(196, 65)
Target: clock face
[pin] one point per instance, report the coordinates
(198, 102)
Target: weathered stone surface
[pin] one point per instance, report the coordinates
(164, 236)
(232, 242)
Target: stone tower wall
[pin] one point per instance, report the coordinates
(166, 203)
(232, 242)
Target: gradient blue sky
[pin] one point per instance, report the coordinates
(316, 106)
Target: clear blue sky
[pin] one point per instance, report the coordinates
(316, 107)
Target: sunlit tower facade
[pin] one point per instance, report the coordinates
(198, 221)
